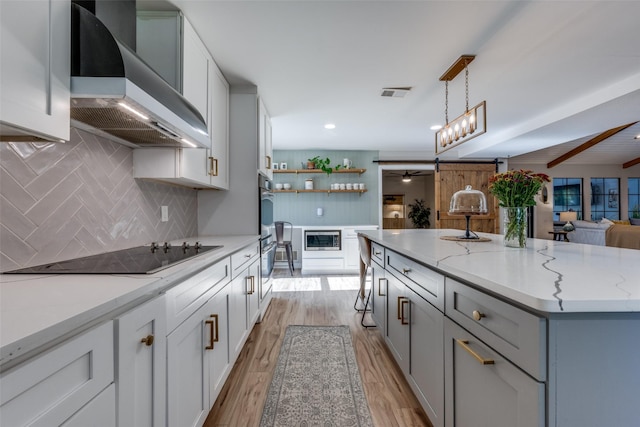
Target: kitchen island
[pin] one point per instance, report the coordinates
(489, 335)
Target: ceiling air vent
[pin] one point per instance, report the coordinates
(395, 92)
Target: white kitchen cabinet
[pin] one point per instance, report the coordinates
(485, 389)
(351, 252)
(141, 365)
(243, 296)
(193, 349)
(34, 69)
(265, 145)
(99, 408)
(203, 85)
(50, 388)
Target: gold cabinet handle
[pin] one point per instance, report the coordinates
(380, 294)
(211, 341)
(465, 344)
(477, 315)
(251, 281)
(148, 340)
(399, 302)
(406, 270)
(403, 321)
(268, 162)
(377, 252)
(213, 166)
(215, 319)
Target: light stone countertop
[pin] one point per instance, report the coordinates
(39, 310)
(547, 276)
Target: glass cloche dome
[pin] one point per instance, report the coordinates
(468, 202)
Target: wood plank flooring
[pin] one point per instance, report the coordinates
(390, 398)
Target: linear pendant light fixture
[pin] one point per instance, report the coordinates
(468, 125)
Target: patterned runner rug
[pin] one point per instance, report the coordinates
(316, 381)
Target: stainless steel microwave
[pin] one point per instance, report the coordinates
(322, 240)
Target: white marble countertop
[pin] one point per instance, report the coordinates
(547, 276)
(37, 310)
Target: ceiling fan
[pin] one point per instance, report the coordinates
(407, 175)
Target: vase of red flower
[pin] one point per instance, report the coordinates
(515, 191)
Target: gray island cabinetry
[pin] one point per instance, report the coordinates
(503, 337)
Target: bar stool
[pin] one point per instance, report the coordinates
(364, 245)
(284, 232)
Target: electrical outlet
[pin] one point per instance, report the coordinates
(164, 213)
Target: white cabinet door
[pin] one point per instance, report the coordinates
(252, 282)
(351, 254)
(188, 372)
(218, 158)
(265, 148)
(77, 371)
(398, 321)
(484, 389)
(204, 86)
(237, 314)
(427, 357)
(34, 67)
(217, 352)
(100, 408)
(141, 365)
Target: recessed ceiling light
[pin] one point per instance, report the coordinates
(436, 127)
(329, 126)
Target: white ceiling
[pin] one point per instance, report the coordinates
(550, 71)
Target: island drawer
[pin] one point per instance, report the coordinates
(243, 258)
(519, 335)
(421, 279)
(185, 298)
(377, 254)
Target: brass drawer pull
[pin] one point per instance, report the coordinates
(377, 252)
(477, 315)
(399, 302)
(252, 289)
(148, 340)
(268, 158)
(215, 319)
(465, 344)
(213, 166)
(210, 324)
(403, 321)
(406, 270)
(380, 294)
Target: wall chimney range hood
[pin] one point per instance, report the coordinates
(116, 94)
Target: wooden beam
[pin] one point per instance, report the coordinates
(456, 67)
(631, 163)
(590, 143)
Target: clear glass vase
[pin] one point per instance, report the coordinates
(515, 226)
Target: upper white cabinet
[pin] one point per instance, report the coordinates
(265, 147)
(34, 69)
(203, 85)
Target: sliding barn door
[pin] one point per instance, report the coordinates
(452, 177)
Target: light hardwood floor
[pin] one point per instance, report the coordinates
(390, 399)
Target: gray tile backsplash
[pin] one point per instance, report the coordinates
(60, 201)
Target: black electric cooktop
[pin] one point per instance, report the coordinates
(138, 260)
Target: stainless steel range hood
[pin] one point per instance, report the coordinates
(116, 94)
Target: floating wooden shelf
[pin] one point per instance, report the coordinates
(297, 171)
(328, 191)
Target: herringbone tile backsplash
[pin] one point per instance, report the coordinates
(61, 201)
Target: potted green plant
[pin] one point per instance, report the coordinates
(419, 214)
(322, 164)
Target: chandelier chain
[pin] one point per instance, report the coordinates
(446, 102)
(466, 84)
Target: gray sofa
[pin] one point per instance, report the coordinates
(592, 233)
